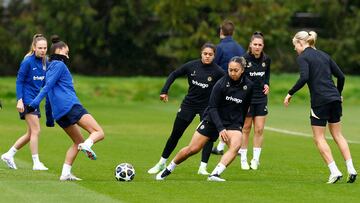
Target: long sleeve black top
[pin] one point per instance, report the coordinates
(229, 103)
(316, 70)
(201, 79)
(258, 71)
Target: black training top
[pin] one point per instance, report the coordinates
(316, 69)
(201, 79)
(258, 71)
(229, 103)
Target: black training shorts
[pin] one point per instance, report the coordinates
(330, 112)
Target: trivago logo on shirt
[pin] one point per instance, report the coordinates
(257, 73)
(39, 78)
(202, 85)
(236, 100)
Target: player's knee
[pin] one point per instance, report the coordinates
(34, 132)
(258, 132)
(193, 150)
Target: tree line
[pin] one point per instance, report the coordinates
(148, 37)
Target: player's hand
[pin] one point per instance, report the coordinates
(287, 100)
(223, 135)
(20, 106)
(164, 97)
(266, 89)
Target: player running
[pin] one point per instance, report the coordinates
(316, 70)
(202, 74)
(224, 117)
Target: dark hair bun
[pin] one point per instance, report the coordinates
(55, 39)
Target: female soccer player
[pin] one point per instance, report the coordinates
(202, 75)
(316, 70)
(66, 107)
(257, 70)
(224, 117)
(29, 81)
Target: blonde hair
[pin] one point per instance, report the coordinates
(36, 39)
(307, 37)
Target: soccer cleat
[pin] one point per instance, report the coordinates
(351, 178)
(69, 177)
(215, 178)
(157, 168)
(87, 150)
(40, 167)
(163, 174)
(254, 164)
(9, 161)
(244, 165)
(217, 152)
(203, 171)
(333, 178)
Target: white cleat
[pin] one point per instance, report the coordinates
(40, 167)
(244, 165)
(203, 171)
(254, 164)
(215, 178)
(9, 161)
(157, 168)
(163, 174)
(87, 150)
(333, 178)
(69, 177)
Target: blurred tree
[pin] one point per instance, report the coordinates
(147, 37)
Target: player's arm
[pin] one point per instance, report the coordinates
(181, 71)
(20, 80)
(52, 76)
(214, 104)
(336, 71)
(304, 77)
(267, 79)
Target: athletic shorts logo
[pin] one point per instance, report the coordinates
(245, 87)
(202, 127)
(265, 109)
(209, 79)
(263, 64)
(313, 114)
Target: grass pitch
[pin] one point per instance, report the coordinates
(291, 168)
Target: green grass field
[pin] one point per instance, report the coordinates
(137, 127)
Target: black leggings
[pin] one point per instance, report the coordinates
(179, 128)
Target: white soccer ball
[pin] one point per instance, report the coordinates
(124, 172)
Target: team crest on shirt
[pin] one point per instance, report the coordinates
(209, 78)
(244, 87)
(263, 64)
(227, 84)
(249, 65)
(193, 74)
